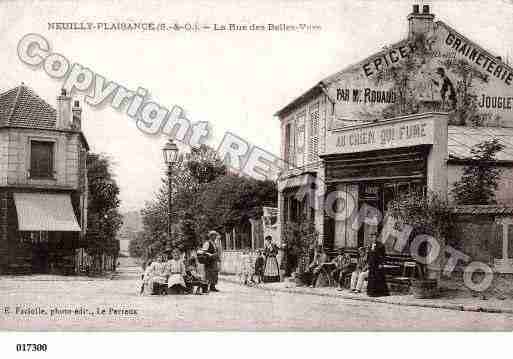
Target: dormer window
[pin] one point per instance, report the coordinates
(41, 159)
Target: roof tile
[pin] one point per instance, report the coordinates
(22, 107)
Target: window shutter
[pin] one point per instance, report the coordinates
(292, 147)
(510, 240)
(313, 134)
(497, 243)
(287, 142)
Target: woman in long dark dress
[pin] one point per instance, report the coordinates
(271, 269)
(376, 282)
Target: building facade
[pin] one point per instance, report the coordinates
(402, 119)
(43, 182)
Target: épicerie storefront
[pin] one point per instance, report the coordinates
(404, 118)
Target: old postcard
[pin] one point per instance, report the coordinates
(255, 166)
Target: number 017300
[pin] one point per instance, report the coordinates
(31, 347)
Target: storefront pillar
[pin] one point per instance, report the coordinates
(281, 217)
(437, 159)
(320, 191)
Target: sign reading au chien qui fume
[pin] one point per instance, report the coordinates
(376, 136)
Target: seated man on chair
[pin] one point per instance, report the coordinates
(343, 268)
(314, 269)
(361, 273)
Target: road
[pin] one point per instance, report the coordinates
(73, 304)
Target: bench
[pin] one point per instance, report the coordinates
(400, 269)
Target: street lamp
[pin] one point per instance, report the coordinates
(170, 152)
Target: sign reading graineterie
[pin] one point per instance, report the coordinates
(384, 135)
(366, 91)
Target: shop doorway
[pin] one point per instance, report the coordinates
(40, 258)
(376, 196)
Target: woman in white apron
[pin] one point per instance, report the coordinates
(175, 270)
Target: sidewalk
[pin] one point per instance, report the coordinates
(58, 277)
(454, 300)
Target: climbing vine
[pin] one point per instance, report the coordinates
(420, 88)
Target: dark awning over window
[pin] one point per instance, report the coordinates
(45, 212)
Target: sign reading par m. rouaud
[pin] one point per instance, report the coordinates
(403, 132)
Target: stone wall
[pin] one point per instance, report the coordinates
(480, 237)
(230, 260)
(15, 157)
(4, 249)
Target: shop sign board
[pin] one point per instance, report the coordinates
(365, 90)
(382, 135)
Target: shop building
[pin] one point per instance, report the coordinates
(43, 182)
(357, 134)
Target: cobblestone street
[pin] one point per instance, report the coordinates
(79, 303)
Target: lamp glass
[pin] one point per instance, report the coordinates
(170, 152)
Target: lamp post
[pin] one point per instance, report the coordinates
(170, 152)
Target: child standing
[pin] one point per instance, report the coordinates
(245, 267)
(193, 279)
(259, 267)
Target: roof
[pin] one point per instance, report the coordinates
(22, 107)
(462, 138)
(321, 85)
(312, 92)
(483, 209)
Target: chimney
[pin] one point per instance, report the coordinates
(63, 110)
(77, 116)
(420, 23)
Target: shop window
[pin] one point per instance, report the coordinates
(41, 159)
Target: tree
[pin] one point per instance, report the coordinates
(480, 177)
(428, 215)
(103, 217)
(199, 167)
(136, 247)
(300, 240)
(225, 202)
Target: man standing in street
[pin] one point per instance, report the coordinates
(212, 263)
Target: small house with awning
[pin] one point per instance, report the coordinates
(43, 182)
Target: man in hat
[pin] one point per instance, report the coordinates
(212, 264)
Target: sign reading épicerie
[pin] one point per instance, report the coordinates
(382, 135)
(365, 90)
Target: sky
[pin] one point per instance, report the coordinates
(234, 80)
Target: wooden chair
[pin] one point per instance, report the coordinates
(409, 273)
(323, 278)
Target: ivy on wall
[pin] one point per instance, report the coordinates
(419, 88)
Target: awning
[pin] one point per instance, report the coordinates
(45, 212)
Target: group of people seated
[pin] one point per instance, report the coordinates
(173, 276)
(368, 266)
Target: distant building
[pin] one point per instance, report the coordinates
(43, 182)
